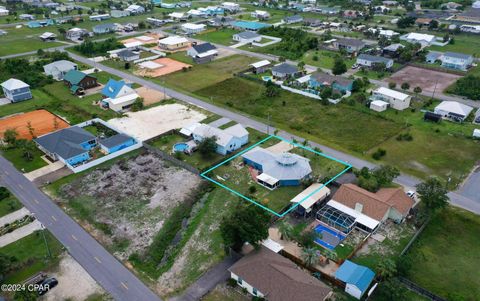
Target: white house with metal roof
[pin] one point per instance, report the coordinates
(369, 61)
(396, 100)
(453, 110)
(455, 60)
(228, 140)
(58, 69)
(192, 28)
(135, 9)
(173, 43)
(247, 37)
(15, 90)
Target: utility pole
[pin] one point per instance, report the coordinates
(268, 124)
(46, 243)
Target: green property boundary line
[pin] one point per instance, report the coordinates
(204, 174)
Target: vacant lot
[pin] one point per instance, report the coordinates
(428, 80)
(128, 202)
(305, 116)
(166, 66)
(445, 257)
(38, 123)
(222, 36)
(204, 75)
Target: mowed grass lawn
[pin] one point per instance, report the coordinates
(15, 156)
(339, 126)
(57, 99)
(445, 258)
(24, 45)
(325, 59)
(222, 36)
(464, 43)
(31, 256)
(204, 75)
(9, 205)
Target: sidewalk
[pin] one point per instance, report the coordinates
(20, 233)
(10, 218)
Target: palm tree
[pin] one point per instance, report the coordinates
(330, 255)
(285, 229)
(310, 256)
(386, 268)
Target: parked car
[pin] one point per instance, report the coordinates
(411, 194)
(354, 66)
(47, 285)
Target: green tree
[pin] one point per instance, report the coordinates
(433, 194)
(208, 146)
(392, 85)
(339, 66)
(385, 175)
(391, 289)
(405, 86)
(330, 254)
(285, 229)
(417, 90)
(271, 90)
(310, 256)
(248, 223)
(386, 268)
(10, 136)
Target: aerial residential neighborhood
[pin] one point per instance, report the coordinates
(242, 150)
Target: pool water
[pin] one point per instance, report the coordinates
(267, 78)
(330, 238)
(180, 147)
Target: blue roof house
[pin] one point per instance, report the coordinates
(276, 170)
(15, 90)
(228, 140)
(104, 28)
(116, 143)
(250, 25)
(356, 277)
(70, 146)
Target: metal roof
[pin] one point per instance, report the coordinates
(115, 140)
(285, 68)
(457, 55)
(13, 84)
(205, 47)
(355, 274)
(66, 143)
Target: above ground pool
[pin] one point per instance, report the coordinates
(180, 147)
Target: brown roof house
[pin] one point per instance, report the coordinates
(386, 203)
(264, 273)
(78, 81)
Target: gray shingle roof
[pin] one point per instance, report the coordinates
(374, 58)
(201, 48)
(350, 42)
(65, 143)
(285, 68)
(115, 140)
(322, 77)
(457, 55)
(285, 166)
(248, 35)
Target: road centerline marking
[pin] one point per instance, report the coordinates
(124, 285)
(73, 236)
(98, 260)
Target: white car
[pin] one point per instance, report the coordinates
(411, 194)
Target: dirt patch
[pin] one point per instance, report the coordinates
(74, 283)
(131, 199)
(280, 147)
(151, 96)
(428, 80)
(165, 66)
(150, 123)
(42, 122)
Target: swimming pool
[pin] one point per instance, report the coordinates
(267, 78)
(180, 147)
(329, 238)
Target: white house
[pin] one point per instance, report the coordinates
(231, 7)
(177, 15)
(247, 37)
(260, 14)
(118, 96)
(378, 105)
(58, 69)
(369, 61)
(422, 38)
(75, 33)
(470, 28)
(476, 133)
(173, 43)
(453, 110)
(397, 100)
(4, 11)
(192, 28)
(15, 90)
(228, 140)
(135, 9)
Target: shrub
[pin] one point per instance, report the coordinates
(377, 155)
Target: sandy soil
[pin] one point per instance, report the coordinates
(133, 198)
(168, 66)
(74, 283)
(151, 96)
(150, 123)
(424, 78)
(42, 123)
(281, 147)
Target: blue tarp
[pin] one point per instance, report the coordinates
(355, 274)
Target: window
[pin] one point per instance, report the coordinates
(255, 291)
(240, 280)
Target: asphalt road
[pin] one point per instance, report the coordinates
(403, 179)
(115, 278)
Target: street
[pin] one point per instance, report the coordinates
(408, 181)
(111, 274)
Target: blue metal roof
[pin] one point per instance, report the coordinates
(355, 274)
(112, 88)
(250, 25)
